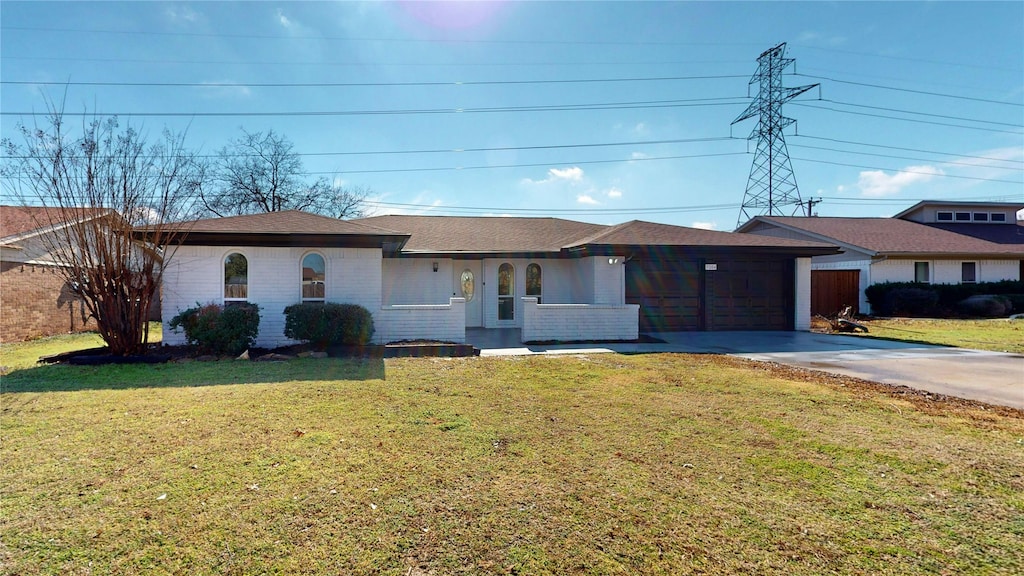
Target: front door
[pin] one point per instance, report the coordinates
(466, 282)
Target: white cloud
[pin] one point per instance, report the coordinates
(176, 13)
(574, 174)
(640, 128)
(614, 193)
(284, 20)
(586, 199)
(637, 156)
(876, 183)
(705, 225)
(223, 89)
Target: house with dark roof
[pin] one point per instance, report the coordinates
(938, 242)
(35, 299)
(553, 279)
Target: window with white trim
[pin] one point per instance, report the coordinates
(533, 281)
(921, 272)
(236, 278)
(998, 217)
(944, 216)
(313, 276)
(968, 272)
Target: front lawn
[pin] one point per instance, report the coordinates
(998, 335)
(602, 464)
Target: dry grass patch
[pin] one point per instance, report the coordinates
(607, 464)
(998, 335)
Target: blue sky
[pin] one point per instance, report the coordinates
(595, 111)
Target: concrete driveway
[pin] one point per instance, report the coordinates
(992, 377)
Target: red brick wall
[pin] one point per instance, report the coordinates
(35, 301)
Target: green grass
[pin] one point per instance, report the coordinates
(999, 335)
(20, 355)
(603, 464)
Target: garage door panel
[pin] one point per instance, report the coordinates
(750, 295)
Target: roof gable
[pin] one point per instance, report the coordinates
(21, 221)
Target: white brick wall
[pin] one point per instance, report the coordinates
(569, 322)
(943, 271)
(445, 322)
(195, 274)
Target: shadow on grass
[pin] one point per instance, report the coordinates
(64, 378)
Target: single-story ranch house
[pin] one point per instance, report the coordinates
(431, 277)
(938, 242)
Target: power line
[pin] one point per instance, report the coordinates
(291, 37)
(910, 171)
(602, 211)
(973, 165)
(543, 108)
(909, 149)
(908, 59)
(924, 92)
(907, 119)
(449, 150)
(946, 116)
(361, 84)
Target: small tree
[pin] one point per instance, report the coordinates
(101, 187)
(259, 172)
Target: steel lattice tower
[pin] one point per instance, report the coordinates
(772, 184)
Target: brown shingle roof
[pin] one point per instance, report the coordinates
(436, 234)
(640, 233)
(890, 235)
(285, 222)
(18, 220)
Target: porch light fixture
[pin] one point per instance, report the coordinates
(613, 261)
(435, 266)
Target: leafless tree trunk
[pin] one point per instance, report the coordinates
(102, 188)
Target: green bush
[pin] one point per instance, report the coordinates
(948, 296)
(912, 301)
(215, 329)
(324, 324)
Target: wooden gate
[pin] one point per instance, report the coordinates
(833, 290)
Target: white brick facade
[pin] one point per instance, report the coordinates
(802, 298)
(568, 322)
(444, 322)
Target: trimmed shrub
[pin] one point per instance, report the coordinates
(324, 324)
(949, 295)
(216, 329)
(914, 302)
(986, 305)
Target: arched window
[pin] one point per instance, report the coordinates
(236, 278)
(506, 292)
(533, 281)
(313, 276)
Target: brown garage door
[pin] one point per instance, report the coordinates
(744, 294)
(750, 295)
(833, 290)
(668, 292)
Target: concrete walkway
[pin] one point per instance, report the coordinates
(992, 377)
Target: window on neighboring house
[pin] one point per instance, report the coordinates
(236, 278)
(313, 276)
(921, 272)
(998, 217)
(963, 216)
(944, 216)
(533, 281)
(506, 292)
(969, 272)
(981, 216)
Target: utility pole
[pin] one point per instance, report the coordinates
(772, 185)
(810, 205)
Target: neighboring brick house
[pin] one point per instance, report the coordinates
(35, 299)
(937, 242)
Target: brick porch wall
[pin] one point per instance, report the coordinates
(35, 302)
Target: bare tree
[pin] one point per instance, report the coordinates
(103, 188)
(260, 172)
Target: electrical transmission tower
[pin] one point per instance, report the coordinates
(772, 184)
